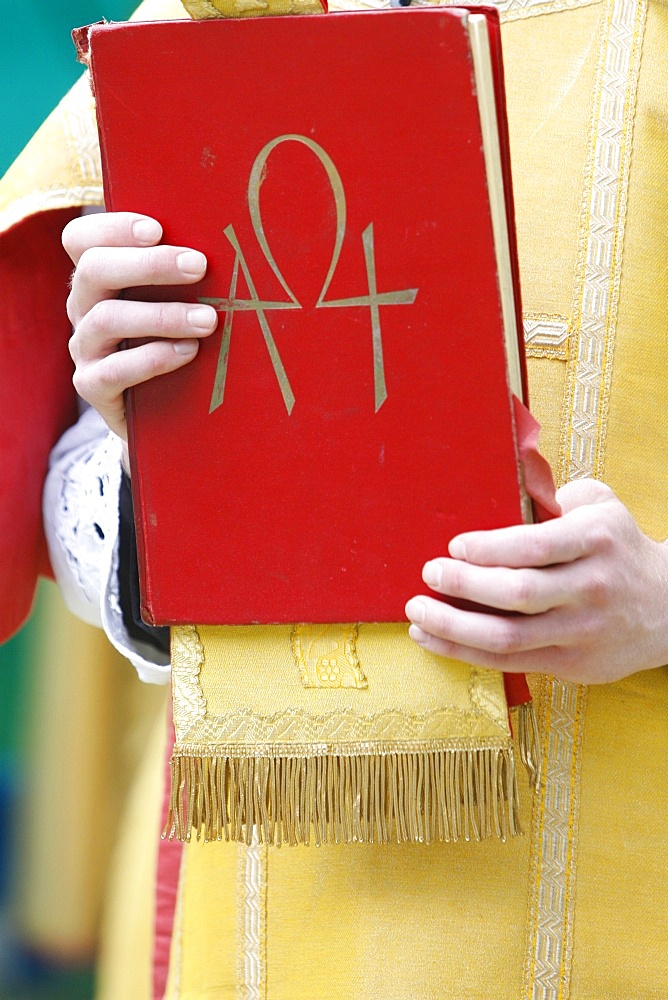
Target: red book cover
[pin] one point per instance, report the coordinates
(352, 412)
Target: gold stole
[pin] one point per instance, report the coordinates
(335, 733)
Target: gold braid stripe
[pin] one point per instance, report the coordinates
(598, 276)
(252, 921)
(555, 829)
(547, 969)
(510, 10)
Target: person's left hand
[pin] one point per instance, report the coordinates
(585, 595)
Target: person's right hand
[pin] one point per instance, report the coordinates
(113, 251)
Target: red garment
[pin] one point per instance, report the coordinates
(38, 399)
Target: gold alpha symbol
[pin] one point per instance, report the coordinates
(231, 304)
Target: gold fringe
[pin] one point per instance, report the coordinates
(529, 742)
(437, 795)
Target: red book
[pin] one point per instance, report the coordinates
(353, 411)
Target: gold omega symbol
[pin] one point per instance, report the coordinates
(374, 299)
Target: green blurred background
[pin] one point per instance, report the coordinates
(37, 66)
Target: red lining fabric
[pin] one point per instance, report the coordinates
(167, 883)
(38, 400)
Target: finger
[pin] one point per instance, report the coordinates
(112, 321)
(103, 382)
(583, 492)
(109, 229)
(104, 271)
(528, 591)
(549, 660)
(488, 632)
(558, 541)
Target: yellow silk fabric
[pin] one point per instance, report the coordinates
(125, 954)
(254, 669)
(84, 733)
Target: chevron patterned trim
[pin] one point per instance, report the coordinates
(546, 336)
(555, 828)
(513, 10)
(547, 971)
(252, 924)
(510, 10)
(602, 239)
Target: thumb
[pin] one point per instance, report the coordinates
(581, 492)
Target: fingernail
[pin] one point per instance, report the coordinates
(185, 346)
(202, 317)
(417, 635)
(146, 231)
(415, 610)
(191, 262)
(431, 574)
(457, 549)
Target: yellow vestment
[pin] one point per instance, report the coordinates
(574, 909)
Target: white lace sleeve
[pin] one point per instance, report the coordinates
(81, 524)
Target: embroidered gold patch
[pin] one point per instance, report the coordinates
(327, 656)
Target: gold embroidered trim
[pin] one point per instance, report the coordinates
(296, 727)
(76, 118)
(327, 656)
(252, 929)
(546, 336)
(549, 953)
(79, 117)
(413, 797)
(555, 825)
(510, 10)
(602, 239)
(202, 10)
(320, 748)
(187, 651)
(513, 10)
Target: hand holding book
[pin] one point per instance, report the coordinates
(112, 252)
(582, 596)
(585, 592)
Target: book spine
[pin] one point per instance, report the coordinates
(139, 499)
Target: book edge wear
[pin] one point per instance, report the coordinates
(489, 123)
